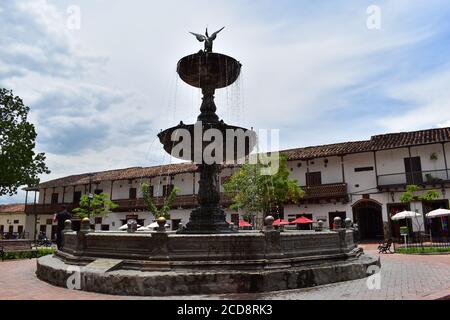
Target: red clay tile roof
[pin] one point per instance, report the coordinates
(376, 143)
(12, 208)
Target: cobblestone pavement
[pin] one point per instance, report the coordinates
(402, 277)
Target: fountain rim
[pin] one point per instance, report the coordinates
(201, 53)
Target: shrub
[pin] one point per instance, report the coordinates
(28, 255)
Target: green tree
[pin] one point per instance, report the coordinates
(411, 194)
(19, 165)
(162, 211)
(100, 205)
(257, 193)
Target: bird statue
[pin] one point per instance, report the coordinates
(207, 38)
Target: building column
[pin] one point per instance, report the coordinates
(445, 161)
(64, 195)
(375, 165)
(35, 216)
(111, 190)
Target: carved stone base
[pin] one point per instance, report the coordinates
(206, 220)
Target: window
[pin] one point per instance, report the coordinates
(167, 189)
(98, 220)
(105, 227)
(54, 198)
(413, 169)
(132, 193)
(2, 228)
(49, 221)
(77, 197)
(98, 191)
(19, 229)
(16, 221)
(362, 169)
(43, 228)
(313, 179)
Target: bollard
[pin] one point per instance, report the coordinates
(337, 223)
(269, 223)
(161, 224)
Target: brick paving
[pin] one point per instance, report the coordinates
(402, 277)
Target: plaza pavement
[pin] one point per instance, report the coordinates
(404, 277)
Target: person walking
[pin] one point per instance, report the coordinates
(60, 218)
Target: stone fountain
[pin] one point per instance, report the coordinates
(208, 71)
(207, 256)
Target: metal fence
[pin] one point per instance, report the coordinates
(15, 235)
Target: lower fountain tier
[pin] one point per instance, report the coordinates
(165, 263)
(235, 142)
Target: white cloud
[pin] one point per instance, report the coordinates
(429, 99)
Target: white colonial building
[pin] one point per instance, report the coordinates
(362, 180)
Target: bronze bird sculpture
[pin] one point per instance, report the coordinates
(207, 39)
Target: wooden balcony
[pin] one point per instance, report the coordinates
(336, 191)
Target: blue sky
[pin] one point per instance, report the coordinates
(100, 94)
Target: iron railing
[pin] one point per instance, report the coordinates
(429, 177)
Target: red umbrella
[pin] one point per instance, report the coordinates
(280, 222)
(302, 220)
(243, 223)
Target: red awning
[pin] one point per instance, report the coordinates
(302, 220)
(243, 223)
(280, 222)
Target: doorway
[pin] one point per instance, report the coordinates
(367, 214)
(393, 209)
(332, 215)
(438, 227)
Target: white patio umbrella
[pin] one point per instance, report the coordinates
(406, 215)
(151, 226)
(125, 227)
(438, 213)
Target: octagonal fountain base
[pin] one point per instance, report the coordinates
(162, 263)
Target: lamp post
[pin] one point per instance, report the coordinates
(90, 195)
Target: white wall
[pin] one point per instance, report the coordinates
(364, 181)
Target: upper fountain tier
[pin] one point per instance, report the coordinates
(209, 70)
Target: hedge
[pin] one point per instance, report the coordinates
(28, 255)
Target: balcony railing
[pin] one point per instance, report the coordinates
(325, 191)
(417, 177)
(183, 201)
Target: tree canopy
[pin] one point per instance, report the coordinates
(19, 164)
(162, 211)
(99, 205)
(256, 193)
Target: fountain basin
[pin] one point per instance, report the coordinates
(160, 263)
(209, 70)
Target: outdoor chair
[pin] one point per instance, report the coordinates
(385, 247)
